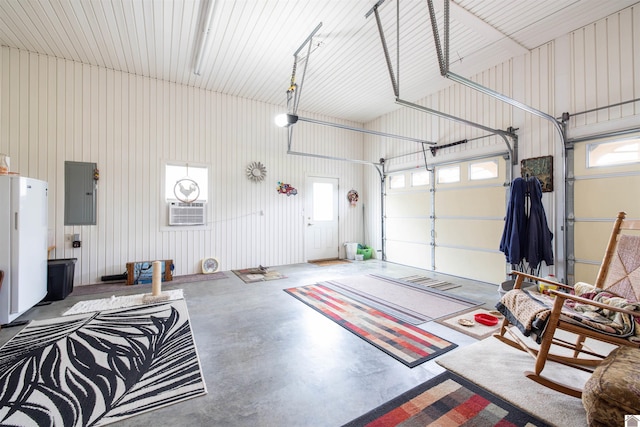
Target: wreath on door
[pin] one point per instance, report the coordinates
(352, 196)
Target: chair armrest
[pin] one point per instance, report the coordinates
(541, 279)
(582, 300)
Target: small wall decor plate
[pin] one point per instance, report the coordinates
(186, 190)
(210, 265)
(256, 171)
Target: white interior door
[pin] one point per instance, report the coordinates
(321, 218)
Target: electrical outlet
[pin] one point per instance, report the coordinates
(68, 237)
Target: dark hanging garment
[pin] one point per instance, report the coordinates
(514, 236)
(539, 237)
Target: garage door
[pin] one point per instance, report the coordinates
(450, 220)
(606, 181)
(470, 203)
(407, 218)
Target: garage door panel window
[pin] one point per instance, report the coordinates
(613, 153)
(483, 170)
(396, 182)
(419, 179)
(449, 174)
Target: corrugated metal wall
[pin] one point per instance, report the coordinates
(604, 59)
(54, 110)
(592, 67)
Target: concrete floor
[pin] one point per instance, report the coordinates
(269, 360)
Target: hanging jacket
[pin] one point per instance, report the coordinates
(515, 227)
(538, 247)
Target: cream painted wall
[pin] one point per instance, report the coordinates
(592, 67)
(54, 110)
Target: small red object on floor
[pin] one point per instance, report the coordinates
(486, 319)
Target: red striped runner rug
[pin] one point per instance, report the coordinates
(401, 340)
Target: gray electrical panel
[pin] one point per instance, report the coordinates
(80, 193)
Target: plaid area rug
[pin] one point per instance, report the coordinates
(446, 400)
(401, 340)
(99, 368)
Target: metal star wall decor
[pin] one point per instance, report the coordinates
(256, 171)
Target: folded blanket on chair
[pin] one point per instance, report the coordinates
(527, 311)
(608, 321)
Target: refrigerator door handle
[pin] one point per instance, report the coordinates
(15, 221)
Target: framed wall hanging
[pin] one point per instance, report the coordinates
(541, 168)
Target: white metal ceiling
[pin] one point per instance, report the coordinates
(251, 44)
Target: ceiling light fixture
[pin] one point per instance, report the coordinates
(206, 29)
(286, 120)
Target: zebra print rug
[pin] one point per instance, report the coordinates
(99, 368)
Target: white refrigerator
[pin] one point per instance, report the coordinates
(23, 244)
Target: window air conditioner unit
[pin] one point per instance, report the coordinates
(187, 213)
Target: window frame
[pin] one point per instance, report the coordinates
(590, 146)
(426, 173)
(493, 161)
(441, 168)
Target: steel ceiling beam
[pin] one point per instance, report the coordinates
(444, 70)
(443, 67)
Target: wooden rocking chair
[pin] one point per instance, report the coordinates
(542, 316)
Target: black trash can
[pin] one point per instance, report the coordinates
(60, 274)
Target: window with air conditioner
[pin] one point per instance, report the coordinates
(185, 194)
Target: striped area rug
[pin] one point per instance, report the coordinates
(446, 400)
(401, 340)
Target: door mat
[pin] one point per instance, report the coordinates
(400, 340)
(99, 368)
(114, 302)
(430, 283)
(327, 262)
(474, 329)
(446, 400)
(260, 274)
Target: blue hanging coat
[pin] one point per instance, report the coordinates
(515, 227)
(539, 236)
